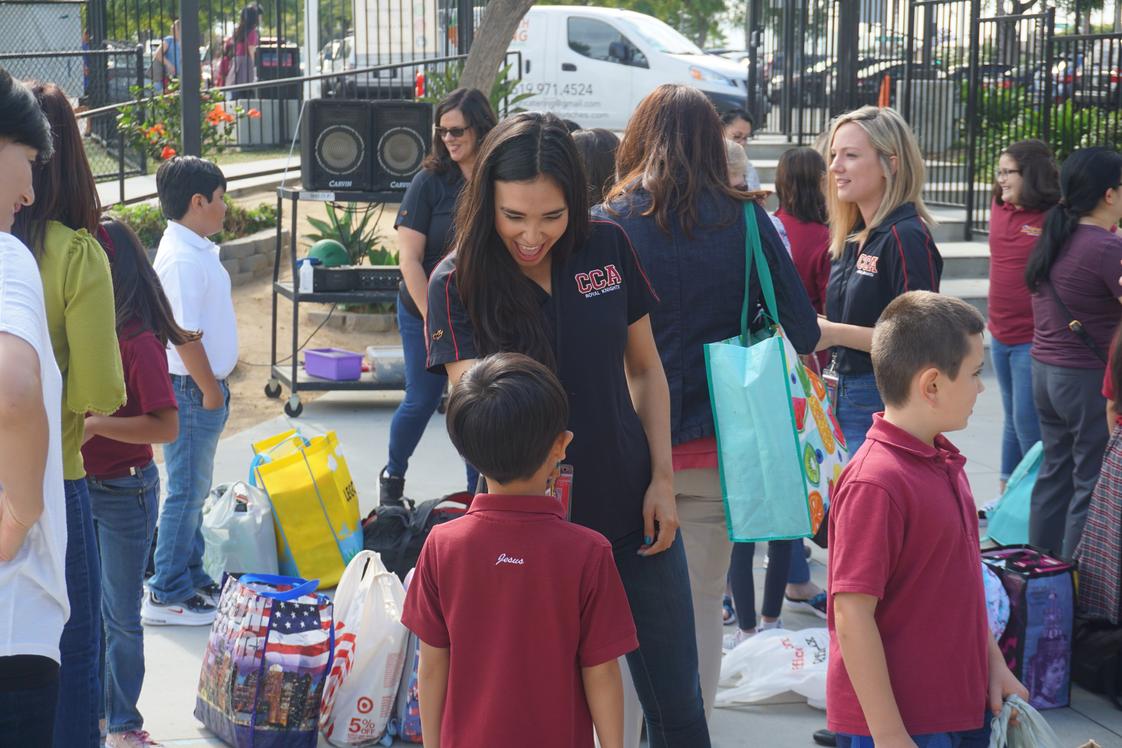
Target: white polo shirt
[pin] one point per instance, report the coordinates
(33, 602)
(198, 289)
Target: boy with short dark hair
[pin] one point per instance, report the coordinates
(521, 614)
(198, 289)
(912, 662)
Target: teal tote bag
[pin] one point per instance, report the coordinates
(779, 447)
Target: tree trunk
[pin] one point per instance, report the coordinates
(491, 41)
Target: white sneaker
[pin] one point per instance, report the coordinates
(192, 612)
(130, 739)
(729, 642)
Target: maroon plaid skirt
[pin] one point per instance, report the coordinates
(1100, 551)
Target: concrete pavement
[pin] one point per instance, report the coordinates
(362, 422)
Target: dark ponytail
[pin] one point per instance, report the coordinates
(502, 303)
(136, 288)
(1085, 176)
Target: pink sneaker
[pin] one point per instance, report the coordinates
(130, 739)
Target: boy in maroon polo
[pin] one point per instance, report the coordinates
(912, 662)
(521, 614)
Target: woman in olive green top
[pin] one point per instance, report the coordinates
(60, 228)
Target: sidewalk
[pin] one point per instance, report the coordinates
(362, 422)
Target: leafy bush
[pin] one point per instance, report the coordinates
(149, 223)
(154, 122)
(357, 230)
(443, 81)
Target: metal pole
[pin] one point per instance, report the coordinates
(909, 56)
(1049, 60)
(190, 78)
(971, 117)
(312, 89)
(751, 101)
(849, 23)
(140, 83)
(465, 25)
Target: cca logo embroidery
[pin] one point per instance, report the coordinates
(600, 280)
(438, 335)
(1028, 230)
(867, 264)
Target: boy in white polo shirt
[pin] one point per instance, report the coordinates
(198, 289)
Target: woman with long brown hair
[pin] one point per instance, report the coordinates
(532, 274)
(424, 233)
(688, 225)
(60, 228)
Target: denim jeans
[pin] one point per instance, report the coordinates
(423, 391)
(858, 400)
(664, 668)
(800, 567)
(27, 715)
(124, 511)
(1013, 366)
(79, 693)
(979, 738)
(190, 468)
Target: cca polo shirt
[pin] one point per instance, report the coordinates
(429, 207)
(523, 600)
(899, 256)
(598, 292)
(904, 529)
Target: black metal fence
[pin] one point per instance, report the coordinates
(970, 84)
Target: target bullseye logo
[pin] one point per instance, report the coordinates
(365, 705)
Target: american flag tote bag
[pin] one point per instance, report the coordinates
(268, 655)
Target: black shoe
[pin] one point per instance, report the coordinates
(825, 737)
(390, 489)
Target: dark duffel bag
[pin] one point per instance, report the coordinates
(397, 533)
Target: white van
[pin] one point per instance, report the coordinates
(594, 65)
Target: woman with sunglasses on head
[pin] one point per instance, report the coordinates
(531, 273)
(1026, 185)
(424, 231)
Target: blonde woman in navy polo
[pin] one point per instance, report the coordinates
(532, 274)
(880, 247)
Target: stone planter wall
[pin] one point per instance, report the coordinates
(249, 257)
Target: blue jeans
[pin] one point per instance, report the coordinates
(190, 469)
(800, 567)
(124, 511)
(979, 738)
(1013, 366)
(858, 400)
(423, 391)
(664, 668)
(27, 715)
(79, 693)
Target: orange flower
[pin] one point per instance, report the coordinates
(166, 153)
(253, 114)
(227, 117)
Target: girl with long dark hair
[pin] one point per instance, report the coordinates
(123, 480)
(532, 274)
(686, 221)
(424, 232)
(243, 51)
(1026, 185)
(1073, 275)
(60, 227)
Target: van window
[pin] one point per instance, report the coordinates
(595, 39)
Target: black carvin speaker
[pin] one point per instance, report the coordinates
(335, 145)
(401, 135)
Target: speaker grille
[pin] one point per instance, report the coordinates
(401, 151)
(340, 149)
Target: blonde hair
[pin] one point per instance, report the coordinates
(889, 136)
(737, 157)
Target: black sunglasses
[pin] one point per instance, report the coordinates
(455, 132)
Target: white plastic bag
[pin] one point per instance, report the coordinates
(1031, 730)
(774, 662)
(358, 699)
(238, 531)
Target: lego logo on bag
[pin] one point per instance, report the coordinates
(350, 493)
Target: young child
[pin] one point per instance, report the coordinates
(198, 291)
(123, 480)
(912, 662)
(521, 614)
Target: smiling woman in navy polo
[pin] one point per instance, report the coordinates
(532, 274)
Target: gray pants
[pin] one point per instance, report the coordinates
(1073, 427)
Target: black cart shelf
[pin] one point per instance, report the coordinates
(291, 374)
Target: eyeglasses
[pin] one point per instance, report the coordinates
(455, 132)
(1003, 173)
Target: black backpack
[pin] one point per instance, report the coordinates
(397, 533)
(1096, 658)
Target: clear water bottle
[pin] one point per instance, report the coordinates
(306, 276)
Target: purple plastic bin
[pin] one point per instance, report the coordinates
(333, 363)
